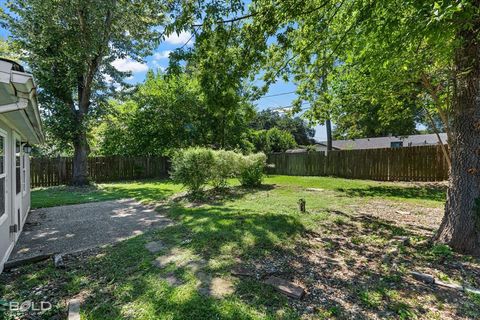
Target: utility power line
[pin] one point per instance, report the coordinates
(276, 95)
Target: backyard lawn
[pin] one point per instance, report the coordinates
(344, 251)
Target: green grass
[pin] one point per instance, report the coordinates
(242, 226)
(145, 191)
(426, 195)
(149, 191)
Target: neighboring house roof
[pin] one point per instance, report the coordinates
(18, 100)
(386, 142)
(298, 150)
(322, 146)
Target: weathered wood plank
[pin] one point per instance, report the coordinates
(46, 172)
(421, 163)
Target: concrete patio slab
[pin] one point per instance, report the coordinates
(76, 227)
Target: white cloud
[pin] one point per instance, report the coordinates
(157, 66)
(108, 79)
(128, 64)
(181, 38)
(162, 55)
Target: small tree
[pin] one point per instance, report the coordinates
(70, 47)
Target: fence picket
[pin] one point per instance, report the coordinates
(46, 172)
(422, 163)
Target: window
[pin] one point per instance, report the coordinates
(24, 172)
(3, 175)
(396, 144)
(18, 160)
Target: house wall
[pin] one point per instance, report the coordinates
(8, 239)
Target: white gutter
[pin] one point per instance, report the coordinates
(21, 104)
(22, 86)
(30, 127)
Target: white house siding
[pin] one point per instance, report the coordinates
(19, 123)
(10, 215)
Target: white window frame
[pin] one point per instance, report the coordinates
(23, 170)
(17, 139)
(4, 216)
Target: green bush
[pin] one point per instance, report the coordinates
(226, 166)
(252, 169)
(279, 140)
(272, 140)
(193, 167)
(196, 167)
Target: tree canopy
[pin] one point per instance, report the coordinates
(168, 112)
(298, 127)
(411, 54)
(70, 45)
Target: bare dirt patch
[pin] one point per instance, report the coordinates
(358, 266)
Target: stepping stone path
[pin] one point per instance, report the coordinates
(214, 286)
(243, 271)
(429, 279)
(180, 257)
(208, 285)
(172, 280)
(155, 246)
(287, 288)
(74, 309)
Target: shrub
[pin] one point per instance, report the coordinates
(273, 140)
(252, 169)
(193, 167)
(279, 140)
(226, 166)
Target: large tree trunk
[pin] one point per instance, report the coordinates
(80, 163)
(328, 125)
(460, 227)
(80, 143)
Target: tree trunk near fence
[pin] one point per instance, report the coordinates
(328, 125)
(460, 227)
(80, 160)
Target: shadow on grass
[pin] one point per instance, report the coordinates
(123, 283)
(369, 281)
(218, 197)
(423, 193)
(218, 235)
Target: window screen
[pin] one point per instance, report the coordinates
(18, 180)
(2, 175)
(24, 172)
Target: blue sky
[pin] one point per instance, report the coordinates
(159, 60)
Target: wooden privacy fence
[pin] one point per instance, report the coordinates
(46, 172)
(425, 163)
